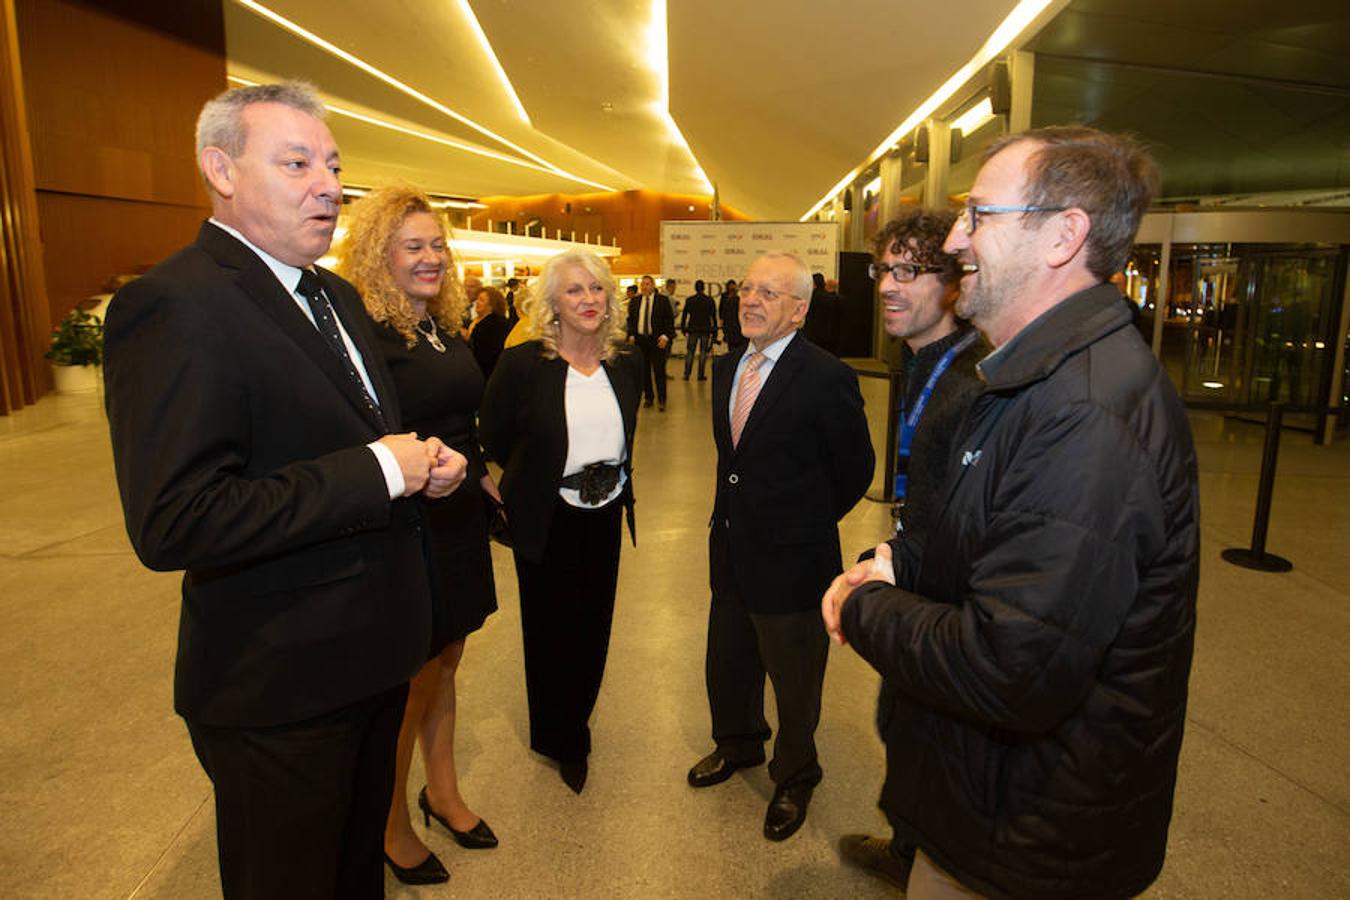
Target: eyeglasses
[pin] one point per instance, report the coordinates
(768, 295)
(904, 273)
(970, 216)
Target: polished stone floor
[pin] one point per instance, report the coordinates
(101, 797)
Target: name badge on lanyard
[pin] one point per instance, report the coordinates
(910, 423)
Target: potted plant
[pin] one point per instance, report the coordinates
(76, 352)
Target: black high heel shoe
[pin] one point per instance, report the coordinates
(428, 871)
(479, 837)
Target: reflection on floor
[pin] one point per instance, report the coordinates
(102, 797)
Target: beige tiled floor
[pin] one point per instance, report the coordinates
(102, 798)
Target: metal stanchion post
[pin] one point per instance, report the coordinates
(1256, 556)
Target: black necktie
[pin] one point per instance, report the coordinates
(312, 290)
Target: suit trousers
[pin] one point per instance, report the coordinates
(654, 368)
(566, 610)
(301, 807)
(744, 646)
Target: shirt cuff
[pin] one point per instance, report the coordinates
(393, 475)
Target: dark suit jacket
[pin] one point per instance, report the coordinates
(804, 459)
(523, 425)
(663, 316)
(487, 340)
(238, 443)
(699, 315)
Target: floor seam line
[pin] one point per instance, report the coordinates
(1213, 732)
(154, 867)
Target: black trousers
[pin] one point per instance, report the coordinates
(566, 610)
(791, 648)
(301, 807)
(654, 372)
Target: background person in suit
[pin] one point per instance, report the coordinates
(559, 415)
(397, 257)
(699, 323)
(251, 421)
(489, 328)
(651, 325)
(729, 313)
(793, 456)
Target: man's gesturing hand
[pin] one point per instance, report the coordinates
(878, 568)
(412, 460)
(448, 468)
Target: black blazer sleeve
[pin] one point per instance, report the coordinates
(195, 502)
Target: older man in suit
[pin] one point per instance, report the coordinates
(793, 456)
(254, 435)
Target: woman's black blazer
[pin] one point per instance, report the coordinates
(523, 426)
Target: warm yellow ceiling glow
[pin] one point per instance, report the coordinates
(444, 141)
(472, 21)
(657, 59)
(974, 117)
(312, 38)
(1022, 15)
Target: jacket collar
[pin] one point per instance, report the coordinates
(1061, 331)
(262, 285)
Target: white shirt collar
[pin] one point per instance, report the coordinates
(775, 350)
(288, 275)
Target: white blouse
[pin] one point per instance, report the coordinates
(594, 430)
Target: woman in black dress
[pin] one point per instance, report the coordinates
(559, 414)
(396, 255)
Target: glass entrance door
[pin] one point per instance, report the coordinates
(1288, 349)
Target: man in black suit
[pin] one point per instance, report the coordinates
(253, 429)
(793, 456)
(698, 323)
(651, 324)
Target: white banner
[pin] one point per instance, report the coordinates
(716, 251)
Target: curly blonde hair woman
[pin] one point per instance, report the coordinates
(396, 254)
(372, 223)
(541, 306)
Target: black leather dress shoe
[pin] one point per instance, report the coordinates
(787, 812)
(428, 871)
(716, 768)
(574, 774)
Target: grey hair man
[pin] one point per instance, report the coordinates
(1042, 642)
(256, 442)
(793, 456)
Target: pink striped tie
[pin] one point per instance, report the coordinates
(746, 394)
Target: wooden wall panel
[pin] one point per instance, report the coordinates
(113, 92)
(633, 217)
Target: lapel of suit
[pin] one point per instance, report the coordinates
(626, 392)
(724, 370)
(257, 281)
(782, 374)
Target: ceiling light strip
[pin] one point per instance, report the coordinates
(444, 141)
(657, 58)
(1022, 15)
(393, 82)
(472, 20)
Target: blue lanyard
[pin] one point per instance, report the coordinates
(909, 423)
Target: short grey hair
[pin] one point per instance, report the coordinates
(221, 122)
(801, 284)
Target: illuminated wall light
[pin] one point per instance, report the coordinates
(444, 141)
(472, 20)
(974, 117)
(1022, 15)
(312, 38)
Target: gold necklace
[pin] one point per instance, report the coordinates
(433, 336)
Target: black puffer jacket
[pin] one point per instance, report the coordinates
(1042, 644)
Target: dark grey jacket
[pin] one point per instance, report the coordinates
(1043, 640)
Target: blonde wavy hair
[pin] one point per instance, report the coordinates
(372, 223)
(541, 306)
